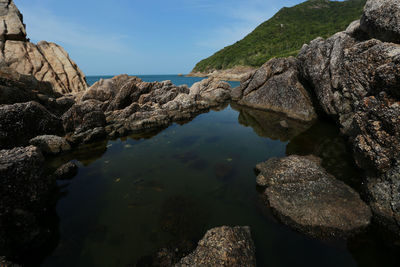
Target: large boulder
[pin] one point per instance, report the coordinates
(304, 196)
(381, 20)
(223, 246)
(21, 122)
(47, 62)
(276, 87)
(357, 83)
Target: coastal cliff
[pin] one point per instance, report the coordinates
(47, 62)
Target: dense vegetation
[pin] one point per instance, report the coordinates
(285, 33)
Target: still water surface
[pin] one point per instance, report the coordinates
(136, 195)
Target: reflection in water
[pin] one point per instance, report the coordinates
(325, 141)
(135, 199)
(270, 124)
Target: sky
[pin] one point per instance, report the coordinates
(144, 36)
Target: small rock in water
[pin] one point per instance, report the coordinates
(224, 171)
(66, 171)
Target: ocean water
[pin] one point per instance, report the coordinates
(136, 195)
(175, 79)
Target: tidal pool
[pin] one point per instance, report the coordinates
(136, 195)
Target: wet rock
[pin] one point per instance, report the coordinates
(66, 171)
(21, 122)
(304, 196)
(276, 87)
(223, 246)
(50, 144)
(47, 62)
(381, 20)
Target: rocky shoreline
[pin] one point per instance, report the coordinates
(235, 74)
(352, 78)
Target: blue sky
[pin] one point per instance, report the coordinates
(143, 36)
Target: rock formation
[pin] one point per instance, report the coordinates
(381, 20)
(303, 195)
(356, 81)
(276, 87)
(223, 246)
(47, 62)
(124, 104)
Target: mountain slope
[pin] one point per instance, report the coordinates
(285, 33)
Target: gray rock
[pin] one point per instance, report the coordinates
(223, 246)
(381, 20)
(356, 83)
(384, 192)
(50, 144)
(276, 87)
(66, 171)
(84, 116)
(21, 122)
(131, 105)
(304, 196)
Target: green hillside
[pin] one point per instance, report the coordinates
(285, 33)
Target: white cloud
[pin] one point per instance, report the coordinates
(42, 24)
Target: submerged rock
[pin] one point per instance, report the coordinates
(223, 246)
(276, 87)
(21, 122)
(66, 171)
(270, 124)
(381, 20)
(50, 144)
(304, 196)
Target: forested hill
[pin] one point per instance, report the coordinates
(285, 33)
